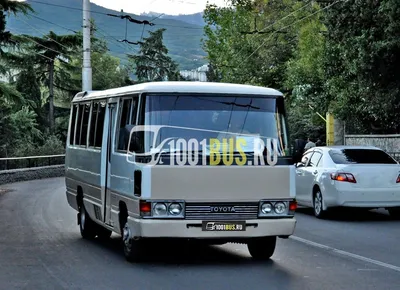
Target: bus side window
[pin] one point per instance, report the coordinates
(79, 124)
(73, 122)
(100, 125)
(127, 118)
(85, 123)
(93, 124)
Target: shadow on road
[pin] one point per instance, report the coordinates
(180, 253)
(353, 215)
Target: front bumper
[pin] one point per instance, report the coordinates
(192, 229)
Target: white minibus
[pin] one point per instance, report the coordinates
(148, 162)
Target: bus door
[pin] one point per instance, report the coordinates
(108, 147)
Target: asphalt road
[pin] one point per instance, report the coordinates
(41, 248)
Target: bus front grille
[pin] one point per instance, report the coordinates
(221, 211)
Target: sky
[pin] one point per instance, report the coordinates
(171, 7)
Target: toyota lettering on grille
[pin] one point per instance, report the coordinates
(223, 209)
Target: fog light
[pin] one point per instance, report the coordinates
(160, 209)
(266, 208)
(280, 207)
(175, 209)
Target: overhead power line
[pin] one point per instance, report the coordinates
(130, 19)
(91, 11)
(107, 14)
(103, 33)
(263, 31)
(264, 42)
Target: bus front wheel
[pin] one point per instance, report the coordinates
(262, 248)
(133, 249)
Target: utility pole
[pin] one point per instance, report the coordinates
(87, 67)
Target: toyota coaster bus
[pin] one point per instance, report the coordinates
(150, 161)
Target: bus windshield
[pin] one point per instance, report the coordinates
(213, 116)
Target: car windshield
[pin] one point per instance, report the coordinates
(204, 117)
(360, 156)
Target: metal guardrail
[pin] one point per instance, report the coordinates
(10, 163)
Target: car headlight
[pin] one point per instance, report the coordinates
(266, 208)
(160, 209)
(280, 207)
(175, 209)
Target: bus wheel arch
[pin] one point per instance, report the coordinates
(87, 227)
(79, 197)
(133, 248)
(122, 215)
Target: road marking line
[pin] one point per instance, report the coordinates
(344, 253)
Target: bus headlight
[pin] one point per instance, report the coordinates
(266, 208)
(276, 208)
(175, 209)
(165, 209)
(160, 209)
(280, 208)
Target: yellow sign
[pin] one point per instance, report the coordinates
(226, 148)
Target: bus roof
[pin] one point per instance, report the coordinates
(180, 87)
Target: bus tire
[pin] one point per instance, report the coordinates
(133, 248)
(86, 225)
(262, 249)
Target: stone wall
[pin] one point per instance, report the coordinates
(17, 175)
(389, 143)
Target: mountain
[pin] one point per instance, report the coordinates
(182, 36)
(195, 19)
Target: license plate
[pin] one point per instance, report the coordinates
(225, 226)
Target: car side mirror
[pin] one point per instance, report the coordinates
(299, 164)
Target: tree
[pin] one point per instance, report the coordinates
(153, 62)
(363, 64)
(28, 86)
(11, 101)
(6, 41)
(47, 53)
(107, 70)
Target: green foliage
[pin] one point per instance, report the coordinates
(48, 71)
(364, 64)
(344, 59)
(153, 63)
(52, 146)
(251, 41)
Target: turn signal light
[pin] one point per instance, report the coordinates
(398, 179)
(145, 208)
(292, 205)
(346, 177)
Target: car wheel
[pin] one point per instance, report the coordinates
(318, 204)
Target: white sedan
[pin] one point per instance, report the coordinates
(348, 176)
